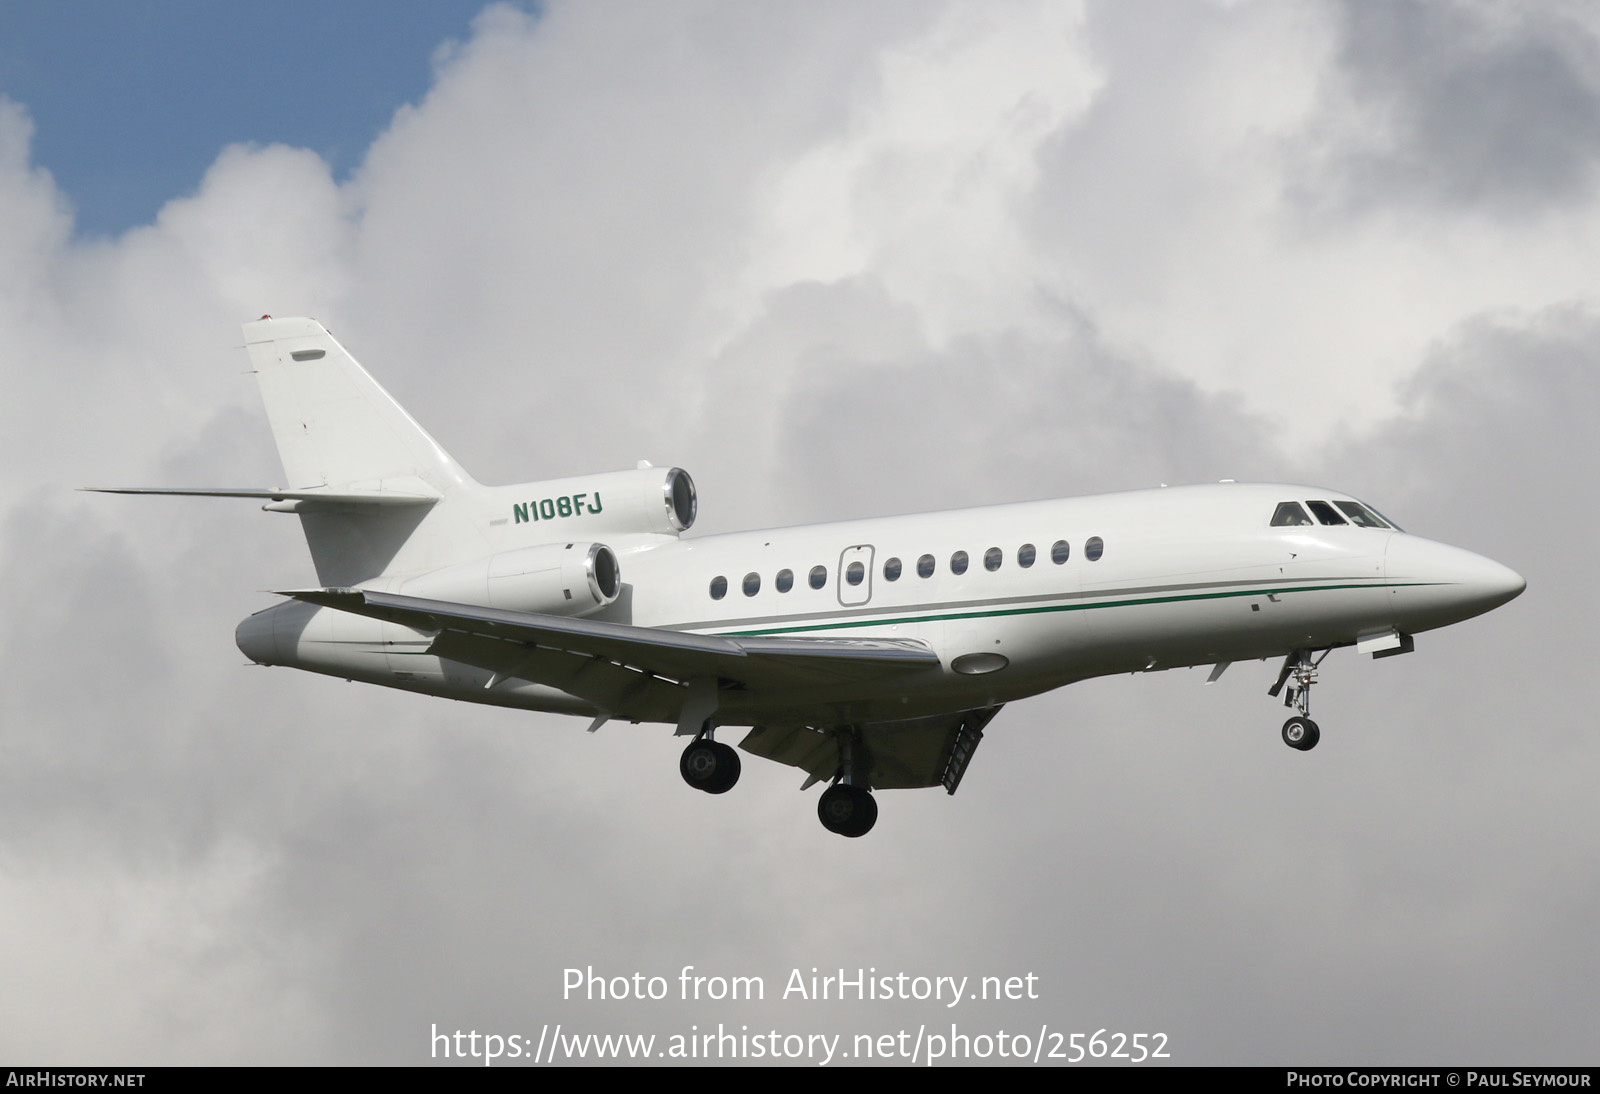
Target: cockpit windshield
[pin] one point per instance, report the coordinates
(1360, 514)
(1325, 512)
(1290, 514)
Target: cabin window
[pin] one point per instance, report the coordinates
(1360, 514)
(1289, 515)
(855, 573)
(719, 587)
(1093, 548)
(992, 558)
(891, 570)
(1325, 512)
(958, 562)
(785, 580)
(819, 576)
(752, 584)
(1060, 550)
(925, 566)
(1025, 555)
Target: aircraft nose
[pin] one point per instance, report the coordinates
(1433, 584)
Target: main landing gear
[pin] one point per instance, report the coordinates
(709, 765)
(847, 808)
(1299, 672)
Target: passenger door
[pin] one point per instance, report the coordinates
(855, 575)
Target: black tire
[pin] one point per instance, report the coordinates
(1301, 733)
(710, 766)
(847, 810)
(728, 768)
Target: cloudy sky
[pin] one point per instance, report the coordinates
(836, 260)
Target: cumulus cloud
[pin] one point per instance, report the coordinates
(837, 261)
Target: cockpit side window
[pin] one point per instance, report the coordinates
(1360, 515)
(1289, 514)
(1326, 513)
(1387, 520)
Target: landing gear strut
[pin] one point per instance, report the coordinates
(1299, 672)
(709, 765)
(847, 808)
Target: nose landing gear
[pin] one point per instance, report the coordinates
(1301, 733)
(1299, 672)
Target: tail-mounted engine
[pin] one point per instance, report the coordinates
(553, 578)
(648, 500)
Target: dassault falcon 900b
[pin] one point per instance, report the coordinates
(870, 654)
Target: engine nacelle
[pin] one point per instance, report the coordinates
(654, 500)
(554, 578)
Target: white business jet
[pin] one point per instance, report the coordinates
(871, 654)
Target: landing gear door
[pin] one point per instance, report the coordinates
(855, 575)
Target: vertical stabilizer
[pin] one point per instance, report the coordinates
(337, 429)
(334, 425)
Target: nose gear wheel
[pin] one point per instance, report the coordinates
(1299, 673)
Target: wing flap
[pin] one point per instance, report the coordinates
(611, 687)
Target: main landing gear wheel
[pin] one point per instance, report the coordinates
(847, 810)
(710, 766)
(1302, 733)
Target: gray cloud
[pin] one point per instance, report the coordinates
(1496, 110)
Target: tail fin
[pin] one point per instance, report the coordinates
(338, 431)
(334, 425)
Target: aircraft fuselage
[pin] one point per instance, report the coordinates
(1146, 580)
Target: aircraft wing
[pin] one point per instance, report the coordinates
(628, 671)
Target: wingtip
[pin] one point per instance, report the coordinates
(316, 596)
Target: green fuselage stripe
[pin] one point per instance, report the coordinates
(1044, 608)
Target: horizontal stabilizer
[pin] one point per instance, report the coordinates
(330, 497)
